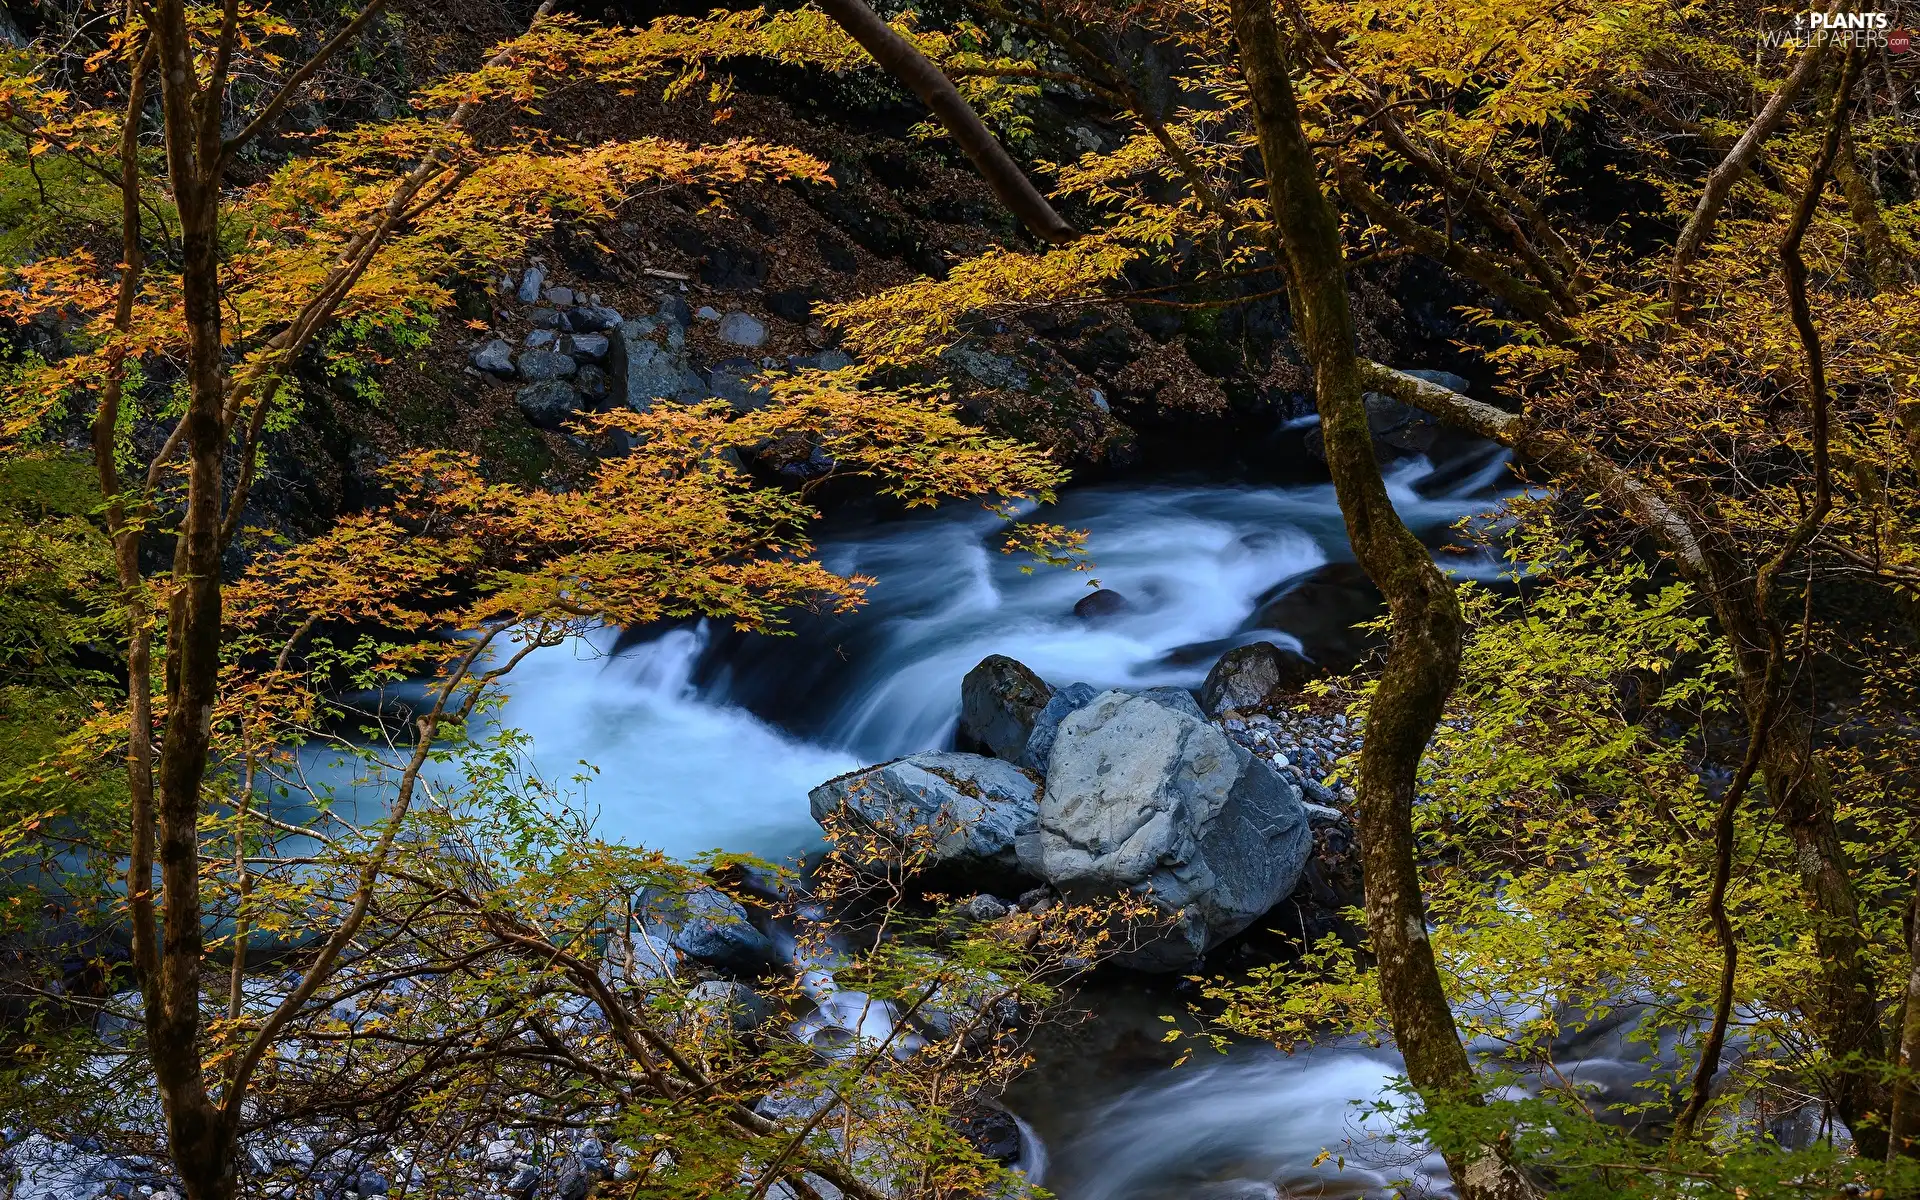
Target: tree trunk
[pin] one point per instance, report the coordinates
(1423, 660)
(200, 1140)
(900, 59)
(1798, 788)
(1882, 257)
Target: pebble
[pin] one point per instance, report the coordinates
(1302, 747)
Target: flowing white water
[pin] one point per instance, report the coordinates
(705, 740)
(1258, 1124)
(675, 770)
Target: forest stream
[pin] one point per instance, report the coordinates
(705, 739)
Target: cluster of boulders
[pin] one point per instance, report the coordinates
(578, 353)
(43, 1169)
(1088, 793)
(1215, 810)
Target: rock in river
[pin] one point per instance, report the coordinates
(1143, 796)
(971, 806)
(713, 927)
(999, 700)
(1257, 675)
(1097, 606)
(1046, 724)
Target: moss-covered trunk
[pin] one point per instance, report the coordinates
(1423, 659)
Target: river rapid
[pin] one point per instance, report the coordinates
(706, 739)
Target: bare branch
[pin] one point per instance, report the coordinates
(271, 113)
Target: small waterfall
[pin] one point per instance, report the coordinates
(704, 739)
(675, 771)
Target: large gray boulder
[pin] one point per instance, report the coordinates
(972, 806)
(999, 700)
(1145, 797)
(1046, 723)
(1075, 696)
(645, 371)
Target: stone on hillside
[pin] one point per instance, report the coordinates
(530, 285)
(713, 927)
(706, 312)
(592, 382)
(546, 318)
(824, 360)
(1097, 606)
(999, 700)
(593, 318)
(495, 357)
(992, 370)
(1144, 797)
(743, 329)
(589, 347)
(560, 297)
(548, 403)
(539, 339)
(970, 807)
(729, 380)
(1257, 675)
(674, 309)
(538, 366)
(649, 371)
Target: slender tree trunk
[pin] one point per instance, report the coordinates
(899, 58)
(1423, 661)
(199, 1139)
(1882, 258)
